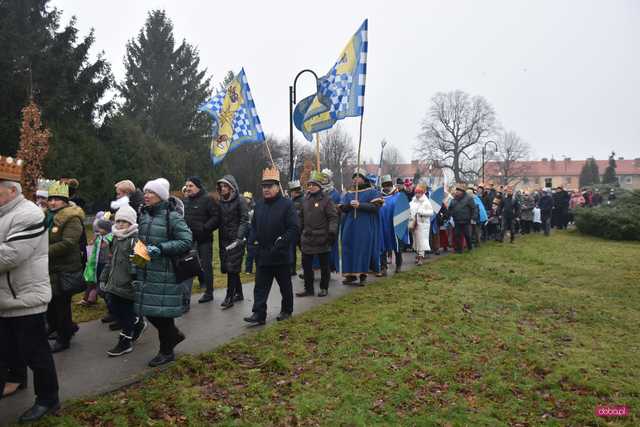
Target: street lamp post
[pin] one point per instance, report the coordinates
(484, 152)
(292, 102)
(383, 143)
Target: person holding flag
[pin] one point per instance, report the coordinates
(360, 230)
(389, 241)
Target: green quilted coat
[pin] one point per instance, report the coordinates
(157, 293)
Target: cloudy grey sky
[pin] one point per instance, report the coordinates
(565, 75)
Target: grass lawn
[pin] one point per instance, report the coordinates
(539, 332)
(82, 313)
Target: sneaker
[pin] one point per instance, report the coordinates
(205, 298)
(123, 347)
(139, 328)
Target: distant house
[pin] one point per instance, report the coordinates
(566, 173)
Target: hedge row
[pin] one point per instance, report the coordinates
(619, 221)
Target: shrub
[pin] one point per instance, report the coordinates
(618, 221)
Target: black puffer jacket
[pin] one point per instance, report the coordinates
(234, 225)
(273, 227)
(463, 210)
(202, 215)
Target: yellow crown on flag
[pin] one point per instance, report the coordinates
(271, 174)
(59, 189)
(10, 169)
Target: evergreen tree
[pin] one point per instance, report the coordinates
(610, 176)
(40, 59)
(589, 175)
(163, 86)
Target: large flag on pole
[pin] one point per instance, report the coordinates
(236, 121)
(340, 92)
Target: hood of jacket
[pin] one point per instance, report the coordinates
(231, 182)
(65, 214)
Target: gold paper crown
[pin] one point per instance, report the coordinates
(10, 169)
(271, 174)
(247, 195)
(59, 189)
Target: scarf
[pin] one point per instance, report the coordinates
(124, 234)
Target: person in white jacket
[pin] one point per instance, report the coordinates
(420, 222)
(25, 291)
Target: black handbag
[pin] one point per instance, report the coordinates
(72, 283)
(187, 265)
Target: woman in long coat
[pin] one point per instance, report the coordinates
(158, 294)
(420, 223)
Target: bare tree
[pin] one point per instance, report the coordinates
(336, 148)
(391, 158)
(453, 128)
(511, 156)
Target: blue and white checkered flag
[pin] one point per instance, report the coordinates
(236, 121)
(340, 92)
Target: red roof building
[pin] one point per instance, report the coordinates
(566, 173)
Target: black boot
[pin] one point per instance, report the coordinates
(228, 302)
(255, 319)
(38, 411)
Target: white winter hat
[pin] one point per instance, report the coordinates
(126, 213)
(42, 193)
(159, 186)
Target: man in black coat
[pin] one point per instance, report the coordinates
(509, 210)
(233, 229)
(202, 215)
(561, 199)
(273, 227)
(462, 209)
(546, 209)
(297, 197)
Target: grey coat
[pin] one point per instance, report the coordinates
(24, 261)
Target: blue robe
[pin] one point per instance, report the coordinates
(388, 240)
(360, 236)
(334, 258)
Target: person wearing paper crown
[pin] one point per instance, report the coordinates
(25, 291)
(360, 230)
(389, 241)
(273, 227)
(319, 225)
(65, 222)
(420, 222)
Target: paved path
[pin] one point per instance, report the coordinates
(85, 369)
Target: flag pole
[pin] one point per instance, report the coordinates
(355, 213)
(318, 151)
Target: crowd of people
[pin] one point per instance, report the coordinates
(142, 253)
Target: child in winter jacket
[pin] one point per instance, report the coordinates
(537, 220)
(97, 259)
(117, 278)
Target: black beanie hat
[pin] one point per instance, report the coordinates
(196, 181)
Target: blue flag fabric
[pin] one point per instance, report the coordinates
(340, 92)
(236, 120)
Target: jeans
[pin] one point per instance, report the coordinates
(460, 231)
(205, 251)
(508, 224)
(325, 271)
(24, 341)
(167, 333)
(264, 281)
(122, 310)
(59, 317)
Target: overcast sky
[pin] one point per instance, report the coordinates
(564, 75)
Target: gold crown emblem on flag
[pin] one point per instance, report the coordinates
(59, 189)
(10, 169)
(271, 174)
